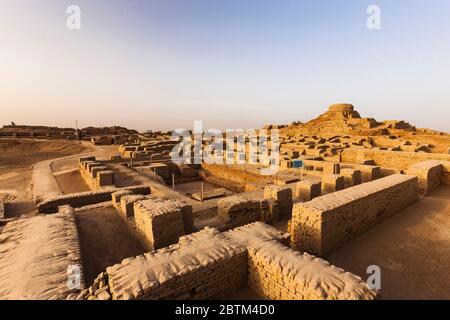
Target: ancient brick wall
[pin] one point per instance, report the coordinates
(95, 174)
(429, 175)
(38, 256)
(213, 265)
(445, 178)
(391, 159)
(85, 198)
(279, 273)
(159, 222)
(204, 265)
(326, 222)
(238, 211)
(235, 176)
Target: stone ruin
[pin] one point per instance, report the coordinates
(270, 233)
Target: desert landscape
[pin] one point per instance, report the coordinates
(107, 214)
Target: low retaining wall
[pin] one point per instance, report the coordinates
(429, 175)
(95, 174)
(39, 257)
(160, 223)
(368, 172)
(391, 159)
(85, 198)
(279, 273)
(445, 178)
(238, 211)
(234, 177)
(44, 183)
(326, 222)
(213, 265)
(204, 265)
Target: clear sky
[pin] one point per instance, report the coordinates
(161, 64)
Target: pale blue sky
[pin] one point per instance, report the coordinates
(231, 63)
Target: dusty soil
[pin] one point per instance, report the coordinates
(105, 240)
(71, 182)
(245, 293)
(18, 155)
(412, 249)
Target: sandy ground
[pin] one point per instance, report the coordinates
(105, 240)
(193, 187)
(17, 157)
(71, 182)
(412, 249)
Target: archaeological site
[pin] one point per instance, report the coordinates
(224, 159)
(110, 214)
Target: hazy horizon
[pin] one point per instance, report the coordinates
(160, 65)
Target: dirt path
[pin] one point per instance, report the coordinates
(412, 249)
(17, 157)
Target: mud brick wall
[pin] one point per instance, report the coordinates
(213, 265)
(368, 172)
(234, 176)
(104, 178)
(391, 159)
(159, 222)
(95, 174)
(445, 178)
(332, 183)
(239, 211)
(306, 190)
(429, 175)
(204, 265)
(117, 196)
(126, 208)
(324, 166)
(277, 272)
(326, 222)
(282, 195)
(77, 200)
(35, 257)
(270, 211)
(352, 177)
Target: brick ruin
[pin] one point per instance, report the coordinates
(207, 230)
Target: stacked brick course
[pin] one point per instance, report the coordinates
(85, 198)
(332, 183)
(239, 211)
(204, 265)
(429, 175)
(282, 195)
(320, 225)
(306, 190)
(159, 222)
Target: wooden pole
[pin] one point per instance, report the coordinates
(202, 191)
(173, 181)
